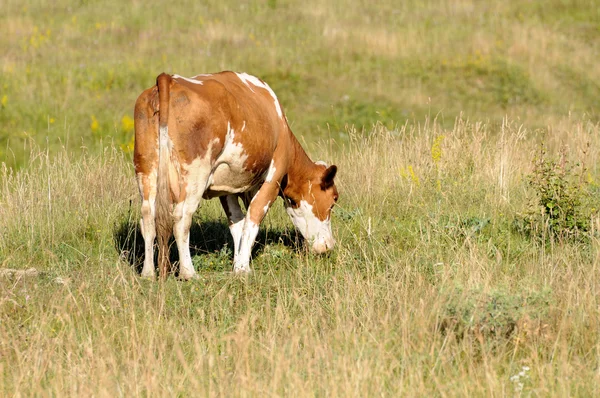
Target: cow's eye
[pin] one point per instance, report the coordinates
(292, 202)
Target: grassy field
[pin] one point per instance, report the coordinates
(71, 70)
(468, 259)
(446, 279)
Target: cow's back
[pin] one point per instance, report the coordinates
(225, 123)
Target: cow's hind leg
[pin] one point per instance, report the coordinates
(147, 186)
(184, 211)
(196, 183)
(232, 208)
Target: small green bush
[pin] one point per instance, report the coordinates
(559, 209)
(496, 315)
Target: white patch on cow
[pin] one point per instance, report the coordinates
(246, 78)
(236, 234)
(149, 233)
(244, 126)
(189, 79)
(317, 232)
(321, 162)
(229, 135)
(197, 175)
(241, 261)
(169, 143)
(199, 172)
(229, 174)
(266, 208)
(271, 172)
(164, 136)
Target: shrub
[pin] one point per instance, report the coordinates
(496, 315)
(559, 209)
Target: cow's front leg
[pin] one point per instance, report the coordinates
(257, 209)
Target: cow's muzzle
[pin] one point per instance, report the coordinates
(323, 245)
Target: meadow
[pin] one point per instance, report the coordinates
(467, 139)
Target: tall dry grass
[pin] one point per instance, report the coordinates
(431, 289)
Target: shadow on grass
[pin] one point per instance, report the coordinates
(206, 236)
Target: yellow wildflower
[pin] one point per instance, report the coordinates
(94, 125)
(128, 147)
(127, 124)
(413, 176)
(436, 148)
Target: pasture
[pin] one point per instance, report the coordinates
(467, 140)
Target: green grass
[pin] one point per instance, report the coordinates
(448, 279)
(68, 64)
(431, 289)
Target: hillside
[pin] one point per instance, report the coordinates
(71, 70)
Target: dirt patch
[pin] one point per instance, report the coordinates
(18, 273)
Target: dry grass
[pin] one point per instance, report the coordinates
(440, 285)
(414, 301)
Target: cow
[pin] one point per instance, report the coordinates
(222, 135)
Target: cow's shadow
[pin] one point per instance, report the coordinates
(206, 236)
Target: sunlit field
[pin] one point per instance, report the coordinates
(71, 70)
(467, 140)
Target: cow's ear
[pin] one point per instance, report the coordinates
(328, 176)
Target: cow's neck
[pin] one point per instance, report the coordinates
(301, 168)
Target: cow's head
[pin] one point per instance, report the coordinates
(309, 206)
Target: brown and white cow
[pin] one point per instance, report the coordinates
(223, 135)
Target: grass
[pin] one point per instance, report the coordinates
(431, 289)
(71, 70)
(466, 264)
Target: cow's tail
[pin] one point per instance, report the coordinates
(163, 220)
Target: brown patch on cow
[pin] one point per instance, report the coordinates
(223, 98)
(325, 194)
(197, 119)
(145, 157)
(317, 188)
(311, 182)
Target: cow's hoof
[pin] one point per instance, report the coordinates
(242, 271)
(148, 275)
(188, 277)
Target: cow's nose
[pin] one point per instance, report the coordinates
(323, 245)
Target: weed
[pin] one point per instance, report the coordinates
(219, 261)
(559, 209)
(496, 315)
